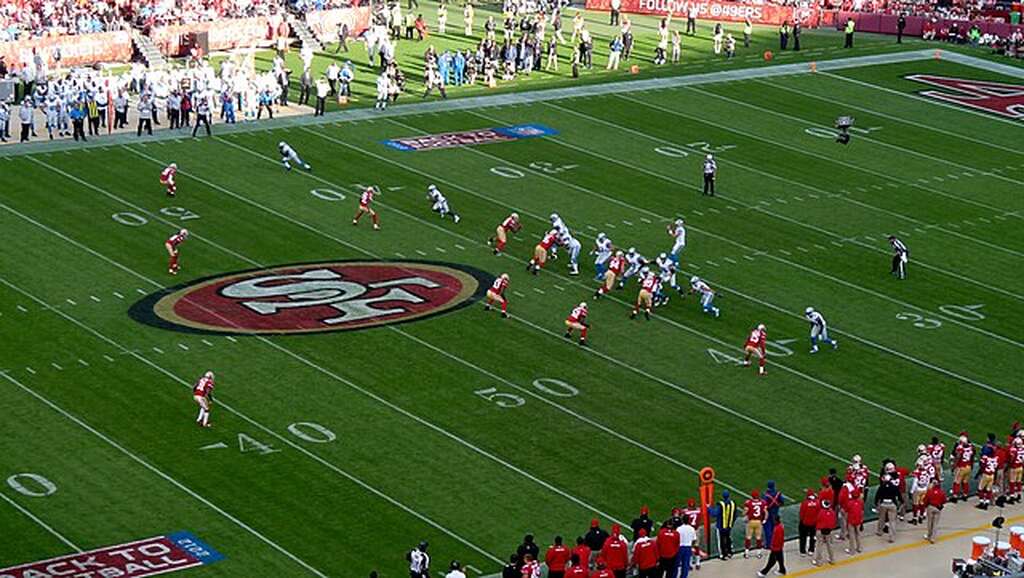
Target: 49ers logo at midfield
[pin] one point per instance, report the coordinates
(1005, 100)
(314, 297)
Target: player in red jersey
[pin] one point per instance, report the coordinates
(577, 320)
(496, 294)
(645, 299)
(540, 252)
(511, 224)
(937, 452)
(963, 463)
(755, 345)
(171, 244)
(1015, 474)
(167, 178)
(201, 392)
(365, 202)
(988, 464)
(756, 513)
(692, 514)
(616, 265)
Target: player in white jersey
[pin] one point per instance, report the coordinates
(707, 295)
(602, 252)
(667, 272)
(289, 156)
(677, 231)
(558, 225)
(572, 245)
(440, 203)
(634, 262)
(819, 329)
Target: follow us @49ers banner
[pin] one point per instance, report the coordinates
(715, 10)
(149, 557)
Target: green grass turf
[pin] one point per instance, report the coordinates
(697, 54)
(418, 454)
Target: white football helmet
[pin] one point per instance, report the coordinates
(663, 256)
(208, 375)
(694, 279)
(183, 232)
(281, 145)
(515, 216)
(710, 156)
(554, 218)
(856, 459)
(761, 327)
(809, 310)
(583, 304)
(174, 165)
(921, 449)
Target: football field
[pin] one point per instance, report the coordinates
(366, 401)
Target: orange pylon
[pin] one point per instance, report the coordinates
(938, 54)
(814, 67)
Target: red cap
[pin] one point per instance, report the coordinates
(594, 523)
(642, 532)
(677, 512)
(643, 509)
(810, 493)
(755, 494)
(691, 503)
(616, 529)
(824, 480)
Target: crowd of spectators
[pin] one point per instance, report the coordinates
(825, 518)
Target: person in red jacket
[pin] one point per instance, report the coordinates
(615, 552)
(934, 501)
(602, 571)
(582, 551)
(576, 569)
(556, 558)
(826, 523)
(668, 547)
(777, 541)
(645, 555)
(854, 508)
(808, 522)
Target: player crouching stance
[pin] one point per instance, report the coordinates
(289, 156)
(756, 345)
(819, 329)
(496, 294)
(440, 203)
(707, 296)
(645, 299)
(511, 224)
(616, 265)
(365, 200)
(577, 320)
(171, 244)
(167, 178)
(540, 252)
(202, 392)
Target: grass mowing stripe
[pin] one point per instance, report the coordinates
(25, 511)
(882, 348)
(844, 198)
(922, 99)
(813, 271)
(136, 458)
(267, 430)
(798, 222)
(348, 244)
(909, 151)
(895, 118)
(671, 322)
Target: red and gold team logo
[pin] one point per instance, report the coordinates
(314, 297)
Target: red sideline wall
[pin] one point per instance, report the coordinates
(886, 23)
(326, 23)
(715, 10)
(75, 50)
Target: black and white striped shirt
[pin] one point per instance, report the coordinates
(898, 246)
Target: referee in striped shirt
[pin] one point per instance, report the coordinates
(710, 170)
(899, 258)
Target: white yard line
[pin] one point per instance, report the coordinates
(39, 522)
(160, 473)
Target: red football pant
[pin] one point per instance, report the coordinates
(173, 265)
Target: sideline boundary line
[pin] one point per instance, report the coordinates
(28, 514)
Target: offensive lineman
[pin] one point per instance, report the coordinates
(707, 296)
(496, 294)
(289, 156)
(577, 320)
(667, 271)
(511, 224)
(819, 329)
(572, 245)
(167, 178)
(202, 393)
(171, 244)
(634, 263)
(558, 225)
(756, 345)
(440, 203)
(365, 200)
(602, 253)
